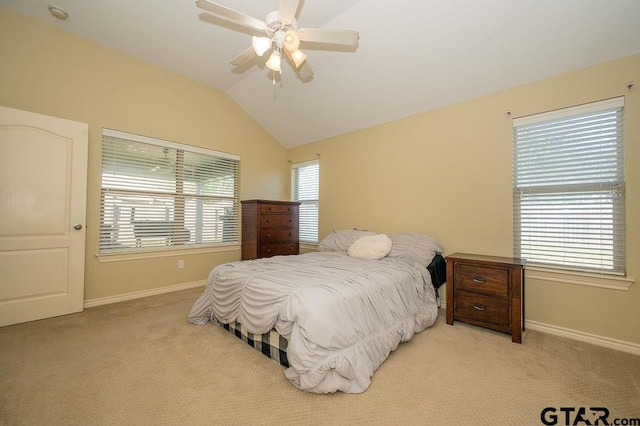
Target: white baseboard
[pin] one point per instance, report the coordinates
(607, 342)
(144, 293)
(594, 339)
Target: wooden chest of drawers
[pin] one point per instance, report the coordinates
(269, 228)
(487, 291)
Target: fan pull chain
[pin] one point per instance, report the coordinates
(275, 87)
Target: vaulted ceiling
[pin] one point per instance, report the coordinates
(413, 55)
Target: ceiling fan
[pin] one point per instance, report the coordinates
(279, 33)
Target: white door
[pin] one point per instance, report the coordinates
(43, 181)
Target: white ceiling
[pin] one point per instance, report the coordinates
(413, 55)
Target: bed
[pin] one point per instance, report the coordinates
(331, 317)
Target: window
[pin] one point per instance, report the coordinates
(569, 188)
(158, 194)
(305, 182)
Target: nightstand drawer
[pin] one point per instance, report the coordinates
(485, 309)
(482, 279)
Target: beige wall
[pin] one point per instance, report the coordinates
(51, 72)
(448, 173)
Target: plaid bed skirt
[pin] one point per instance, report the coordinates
(270, 344)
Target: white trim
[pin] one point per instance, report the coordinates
(172, 252)
(309, 246)
(607, 342)
(568, 112)
(140, 294)
(159, 142)
(579, 278)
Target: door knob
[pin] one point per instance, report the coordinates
(77, 227)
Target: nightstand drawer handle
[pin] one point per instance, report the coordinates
(479, 279)
(480, 307)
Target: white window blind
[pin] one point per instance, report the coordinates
(569, 188)
(158, 194)
(305, 183)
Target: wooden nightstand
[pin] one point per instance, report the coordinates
(486, 291)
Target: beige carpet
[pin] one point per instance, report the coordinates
(140, 363)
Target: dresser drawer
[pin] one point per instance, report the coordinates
(278, 208)
(278, 221)
(279, 235)
(481, 308)
(482, 279)
(268, 250)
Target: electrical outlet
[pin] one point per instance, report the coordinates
(180, 264)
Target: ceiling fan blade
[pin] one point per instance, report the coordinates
(320, 35)
(305, 71)
(287, 10)
(244, 57)
(231, 15)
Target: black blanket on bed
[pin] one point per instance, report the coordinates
(438, 270)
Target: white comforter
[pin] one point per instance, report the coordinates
(342, 316)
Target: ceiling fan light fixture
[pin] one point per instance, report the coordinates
(298, 57)
(283, 36)
(274, 62)
(291, 40)
(260, 45)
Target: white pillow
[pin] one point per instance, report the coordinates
(371, 247)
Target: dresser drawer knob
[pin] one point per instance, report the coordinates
(479, 279)
(480, 307)
(268, 220)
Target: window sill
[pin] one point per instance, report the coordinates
(309, 246)
(152, 254)
(579, 278)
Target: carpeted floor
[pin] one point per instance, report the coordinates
(141, 363)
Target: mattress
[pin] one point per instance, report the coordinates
(271, 344)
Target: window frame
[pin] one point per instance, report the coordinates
(615, 187)
(180, 195)
(309, 210)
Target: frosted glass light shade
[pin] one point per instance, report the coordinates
(297, 57)
(291, 40)
(274, 61)
(260, 44)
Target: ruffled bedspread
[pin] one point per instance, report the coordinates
(342, 316)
